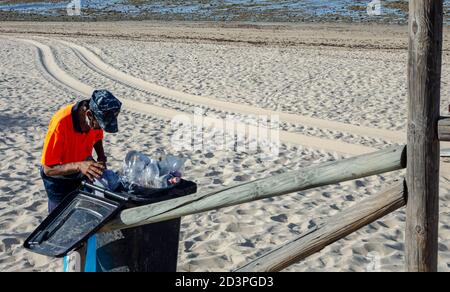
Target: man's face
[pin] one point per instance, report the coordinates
(92, 121)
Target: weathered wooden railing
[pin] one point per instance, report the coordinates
(334, 229)
(390, 159)
(419, 192)
(444, 129)
(337, 227)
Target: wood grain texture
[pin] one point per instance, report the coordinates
(334, 229)
(444, 129)
(424, 77)
(382, 161)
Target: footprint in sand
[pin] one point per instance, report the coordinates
(280, 218)
(10, 242)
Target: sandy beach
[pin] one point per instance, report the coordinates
(338, 90)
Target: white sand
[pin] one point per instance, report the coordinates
(332, 101)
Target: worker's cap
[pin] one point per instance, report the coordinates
(105, 107)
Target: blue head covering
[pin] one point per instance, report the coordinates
(105, 107)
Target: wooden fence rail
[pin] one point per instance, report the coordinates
(334, 229)
(444, 129)
(386, 160)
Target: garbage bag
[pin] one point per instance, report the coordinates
(159, 171)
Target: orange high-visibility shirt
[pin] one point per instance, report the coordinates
(64, 142)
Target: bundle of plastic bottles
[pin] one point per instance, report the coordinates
(159, 171)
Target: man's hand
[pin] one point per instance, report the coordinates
(91, 169)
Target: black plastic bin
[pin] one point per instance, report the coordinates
(147, 248)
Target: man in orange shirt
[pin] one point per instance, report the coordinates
(73, 132)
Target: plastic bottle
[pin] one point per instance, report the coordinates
(151, 173)
(175, 164)
(133, 167)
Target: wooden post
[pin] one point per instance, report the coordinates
(424, 74)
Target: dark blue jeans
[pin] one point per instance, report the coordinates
(58, 187)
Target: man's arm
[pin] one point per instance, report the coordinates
(63, 169)
(91, 169)
(101, 157)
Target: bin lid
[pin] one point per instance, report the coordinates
(72, 222)
(82, 213)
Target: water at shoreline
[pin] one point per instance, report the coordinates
(391, 11)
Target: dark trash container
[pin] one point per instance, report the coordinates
(147, 248)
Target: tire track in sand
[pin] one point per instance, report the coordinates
(51, 67)
(115, 74)
(49, 64)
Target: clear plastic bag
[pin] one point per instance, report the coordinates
(162, 171)
(133, 167)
